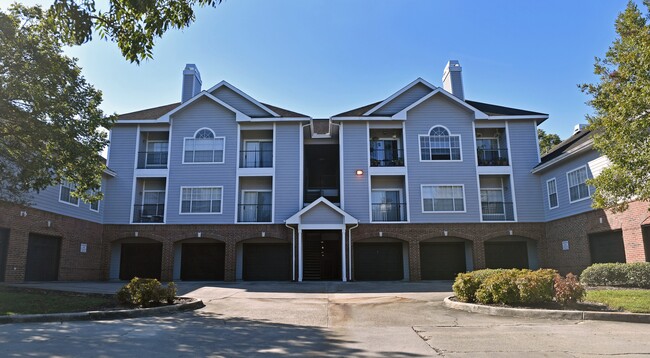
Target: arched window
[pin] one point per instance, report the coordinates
(439, 144)
(204, 147)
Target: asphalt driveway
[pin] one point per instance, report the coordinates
(395, 319)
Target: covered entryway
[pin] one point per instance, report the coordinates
(269, 261)
(443, 260)
(380, 260)
(137, 258)
(43, 254)
(511, 252)
(321, 255)
(202, 261)
(607, 247)
(4, 245)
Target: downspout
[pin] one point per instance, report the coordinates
(293, 251)
(350, 250)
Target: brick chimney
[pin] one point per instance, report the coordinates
(191, 82)
(452, 80)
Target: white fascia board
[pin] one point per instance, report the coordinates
(243, 94)
(110, 172)
(295, 218)
(280, 120)
(363, 118)
(239, 116)
(401, 115)
(577, 150)
(404, 89)
(537, 116)
(138, 121)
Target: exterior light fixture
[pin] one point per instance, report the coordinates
(359, 172)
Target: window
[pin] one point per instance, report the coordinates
(257, 154)
(443, 198)
(551, 188)
(387, 205)
(94, 205)
(578, 189)
(256, 206)
(204, 147)
(65, 193)
(439, 145)
(201, 200)
(385, 152)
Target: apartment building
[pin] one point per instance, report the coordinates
(419, 186)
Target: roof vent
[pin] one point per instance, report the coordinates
(579, 128)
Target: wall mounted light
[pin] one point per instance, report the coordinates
(358, 172)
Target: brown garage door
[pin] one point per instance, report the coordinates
(4, 245)
(506, 255)
(202, 261)
(42, 258)
(378, 261)
(142, 260)
(266, 262)
(607, 247)
(442, 260)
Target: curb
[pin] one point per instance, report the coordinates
(542, 313)
(103, 315)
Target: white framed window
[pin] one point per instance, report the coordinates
(94, 205)
(440, 145)
(204, 148)
(387, 205)
(551, 189)
(577, 183)
(65, 195)
(444, 198)
(256, 206)
(201, 200)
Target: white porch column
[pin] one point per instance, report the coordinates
(343, 256)
(299, 254)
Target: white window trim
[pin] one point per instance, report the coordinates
(460, 146)
(71, 189)
(180, 201)
(223, 158)
(568, 185)
(401, 197)
(90, 205)
(255, 191)
(548, 194)
(244, 148)
(503, 201)
(442, 212)
(399, 145)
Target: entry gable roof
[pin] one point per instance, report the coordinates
(243, 94)
(347, 218)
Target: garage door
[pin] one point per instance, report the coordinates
(607, 247)
(140, 260)
(4, 245)
(506, 255)
(266, 262)
(42, 258)
(375, 261)
(442, 260)
(202, 261)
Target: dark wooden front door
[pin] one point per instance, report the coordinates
(142, 260)
(506, 255)
(42, 258)
(321, 255)
(442, 260)
(378, 261)
(607, 247)
(202, 261)
(4, 245)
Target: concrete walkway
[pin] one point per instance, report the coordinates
(387, 319)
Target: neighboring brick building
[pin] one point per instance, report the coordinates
(419, 186)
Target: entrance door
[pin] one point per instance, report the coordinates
(4, 244)
(506, 255)
(42, 258)
(378, 261)
(442, 260)
(142, 260)
(321, 255)
(266, 262)
(202, 261)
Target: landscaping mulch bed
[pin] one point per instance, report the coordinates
(581, 306)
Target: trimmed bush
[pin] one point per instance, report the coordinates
(499, 288)
(466, 284)
(568, 290)
(146, 292)
(636, 274)
(536, 286)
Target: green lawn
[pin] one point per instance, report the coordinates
(637, 301)
(29, 301)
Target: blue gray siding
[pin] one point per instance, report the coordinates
(523, 156)
(355, 145)
(48, 200)
(118, 191)
(240, 103)
(287, 170)
(404, 100)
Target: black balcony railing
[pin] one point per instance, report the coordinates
(386, 158)
(497, 211)
(492, 157)
(256, 158)
(388, 212)
(325, 185)
(149, 213)
(152, 160)
(255, 213)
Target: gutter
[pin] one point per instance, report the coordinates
(577, 150)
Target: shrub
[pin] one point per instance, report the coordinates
(466, 284)
(499, 288)
(635, 274)
(146, 292)
(568, 290)
(536, 286)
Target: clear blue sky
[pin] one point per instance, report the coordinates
(324, 57)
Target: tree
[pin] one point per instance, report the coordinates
(621, 120)
(132, 25)
(547, 141)
(50, 121)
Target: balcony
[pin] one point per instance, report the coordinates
(149, 213)
(152, 160)
(386, 157)
(257, 158)
(390, 212)
(497, 211)
(492, 157)
(255, 213)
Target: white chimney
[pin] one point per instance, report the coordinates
(578, 128)
(452, 80)
(191, 82)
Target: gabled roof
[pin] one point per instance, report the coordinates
(149, 113)
(239, 116)
(396, 94)
(477, 113)
(494, 110)
(577, 143)
(347, 218)
(243, 94)
(285, 112)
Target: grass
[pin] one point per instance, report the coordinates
(637, 301)
(15, 300)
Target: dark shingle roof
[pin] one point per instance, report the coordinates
(494, 110)
(574, 141)
(155, 112)
(284, 112)
(358, 112)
